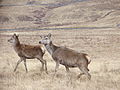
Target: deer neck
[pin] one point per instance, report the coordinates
(51, 48)
(17, 46)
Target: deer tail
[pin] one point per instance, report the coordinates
(89, 60)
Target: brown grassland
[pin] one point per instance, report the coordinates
(101, 44)
(103, 49)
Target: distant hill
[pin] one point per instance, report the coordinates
(59, 13)
(89, 13)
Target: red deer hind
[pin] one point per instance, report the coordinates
(65, 56)
(27, 52)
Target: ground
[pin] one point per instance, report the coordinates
(101, 45)
(90, 26)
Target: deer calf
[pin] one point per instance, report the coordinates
(65, 56)
(27, 52)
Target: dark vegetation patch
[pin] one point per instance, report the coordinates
(31, 2)
(3, 19)
(39, 15)
(25, 18)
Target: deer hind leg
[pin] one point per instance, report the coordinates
(19, 61)
(57, 66)
(67, 69)
(85, 71)
(25, 65)
(80, 75)
(43, 62)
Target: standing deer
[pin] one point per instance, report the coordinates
(27, 52)
(65, 56)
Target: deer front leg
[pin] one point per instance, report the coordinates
(57, 66)
(46, 66)
(43, 62)
(19, 61)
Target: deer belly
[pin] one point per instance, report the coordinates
(30, 56)
(68, 63)
(27, 56)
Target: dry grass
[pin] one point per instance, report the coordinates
(101, 45)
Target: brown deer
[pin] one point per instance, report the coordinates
(65, 56)
(27, 52)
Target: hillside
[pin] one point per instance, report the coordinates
(88, 13)
(59, 14)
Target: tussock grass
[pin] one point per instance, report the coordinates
(104, 68)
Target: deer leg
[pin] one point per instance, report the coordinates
(67, 69)
(85, 71)
(46, 66)
(25, 65)
(42, 68)
(19, 61)
(57, 66)
(43, 62)
(80, 75)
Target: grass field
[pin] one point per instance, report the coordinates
(101, 45)
(59, 13)
(87, 33)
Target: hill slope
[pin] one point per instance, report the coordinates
(88, 13)
(58, 14)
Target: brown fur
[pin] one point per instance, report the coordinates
(69, 57)
(65, 56)
(27, 52)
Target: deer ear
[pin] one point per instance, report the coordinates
(49, 35)
(14, 35)
(17, 35)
